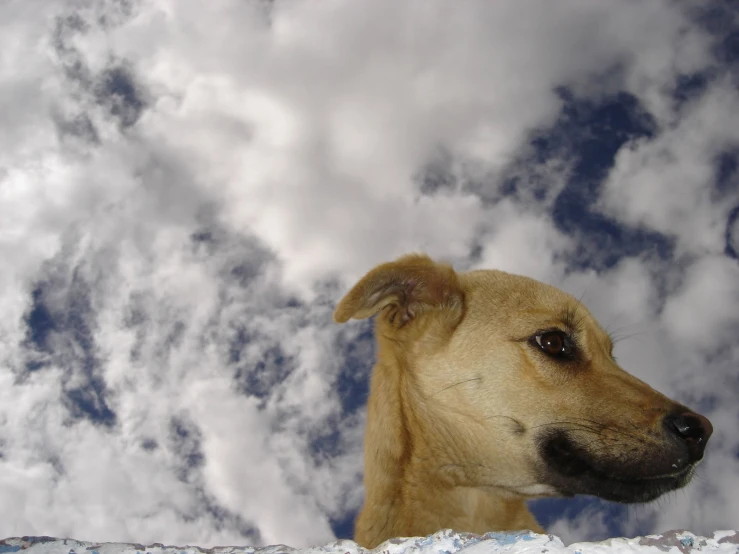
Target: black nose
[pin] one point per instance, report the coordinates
(693, 429)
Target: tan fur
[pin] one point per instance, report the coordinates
(459, 395)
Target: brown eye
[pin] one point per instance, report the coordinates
(555, 343)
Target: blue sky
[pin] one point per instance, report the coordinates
(186, 190)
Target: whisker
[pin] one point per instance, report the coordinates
(457, 384)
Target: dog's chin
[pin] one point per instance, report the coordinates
(571, 471)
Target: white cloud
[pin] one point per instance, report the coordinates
(661, 183)
(189, 186)
(708, 295)
(515, 232)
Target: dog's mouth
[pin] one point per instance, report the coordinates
(624, 477)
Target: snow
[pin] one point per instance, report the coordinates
(443, 542)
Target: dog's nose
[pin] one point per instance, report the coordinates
(693, 429)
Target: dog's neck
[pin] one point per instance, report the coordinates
(406, 494)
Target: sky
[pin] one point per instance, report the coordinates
(187, 188)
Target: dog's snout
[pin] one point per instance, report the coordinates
(693, 429)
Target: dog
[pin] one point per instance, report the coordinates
(490, 389)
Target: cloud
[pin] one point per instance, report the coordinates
(186, 189)
(660, 183)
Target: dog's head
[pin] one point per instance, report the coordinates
(511, 383)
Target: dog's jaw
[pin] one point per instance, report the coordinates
(570, 469)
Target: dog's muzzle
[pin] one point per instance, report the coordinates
(622, 466)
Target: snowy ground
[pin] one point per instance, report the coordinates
(443, 542)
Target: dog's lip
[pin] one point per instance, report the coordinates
(674, 475)
(643, 479)
(621, 488)
(636, 479)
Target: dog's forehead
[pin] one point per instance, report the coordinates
(522, 303)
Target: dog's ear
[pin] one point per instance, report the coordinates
(406, 287)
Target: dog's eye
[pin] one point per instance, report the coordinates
(556, 344)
